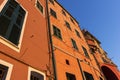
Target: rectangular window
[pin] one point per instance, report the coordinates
(39, 6)
(74, 44)
(53, 13)
(88, 76)
(67, 62)
(63, 12)
(36, 76)
(11, 21)
(70, 76)
(72, 20)
(77, 33)
(52, 1)
(85, 52)
(3, 72)
(57, 32)
(68, 25)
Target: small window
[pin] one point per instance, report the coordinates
(70, 76)
(68, 25)
(11, 21)
(36, 76)
(88, 76)
(67, 62)
(85, 52)
(3, 72)
(74, 44)
(77, 33)
(53, 13)
(63, 12)
(72, 20)
(52, 1)
(39, 6)
(57, 32)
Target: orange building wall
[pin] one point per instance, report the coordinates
(34, 49)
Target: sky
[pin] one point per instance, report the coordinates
(102, 19)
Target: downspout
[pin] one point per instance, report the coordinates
(51, 43)
(81, 69)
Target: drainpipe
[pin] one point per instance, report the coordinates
(81, 69)
(51, 43)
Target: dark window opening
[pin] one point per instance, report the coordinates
(74, 44)
(63, 12)
(70, 76)
(52, 1)
(100, 78)
(53, 13)
(3, 72)
(68, 25)
(36, 76)
(39, 6)
(11, 21)
(88, 76)
(85, 52)
(77, 33)
(57, 32)
(67, 62)
(72, 20)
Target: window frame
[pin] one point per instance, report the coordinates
(77, 33)
(35, 70)
(43, 13)
(85, 52)
(10, 67)
(7, 42)
(57, 32)
(86, 74)
(74, 44)
(53, 13)
(67, 24)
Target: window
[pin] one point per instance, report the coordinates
(72, 20)
(77, 33)
(85, 52)
(68, 25)
(88, 76)
(53, 13)
(11, 21)
(63, 12)
(74, 44)
(36, 76)
(52, 1)
(70, 76)
(57, 32)
(67, 62)
(39, 6)
(3, 72)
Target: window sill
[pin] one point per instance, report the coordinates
(9, 44)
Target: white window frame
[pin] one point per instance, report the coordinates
(32, 69)
(10, 67)
(7, 42)
(38, 9)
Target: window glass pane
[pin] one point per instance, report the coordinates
(19, 19)
(14, 35)
(4, 24)
(53, 13)
(39, 6)
(9, 11)
(70, 76)
(3, 72)
(21, 11)
(88, 76)
(13, 3)
(36, 76)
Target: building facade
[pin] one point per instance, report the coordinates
(107, 67)
(73, 59)
(24, 41)
(41, 40)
